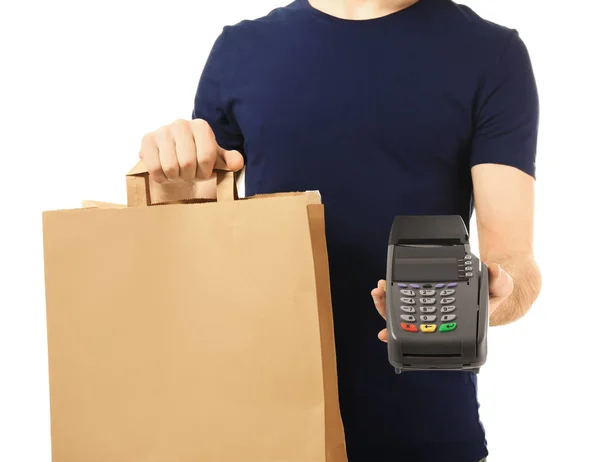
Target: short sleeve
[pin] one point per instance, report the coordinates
(210, 103)
(507, 112)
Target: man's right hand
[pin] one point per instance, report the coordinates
(185, 150)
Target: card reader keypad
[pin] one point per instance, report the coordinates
(431, 295)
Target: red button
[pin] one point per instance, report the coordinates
(409, 327)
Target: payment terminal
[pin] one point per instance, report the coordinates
(437, 296)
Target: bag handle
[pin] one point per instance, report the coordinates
(142, 191)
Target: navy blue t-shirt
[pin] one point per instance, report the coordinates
(384, 117)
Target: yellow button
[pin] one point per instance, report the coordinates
(428, 327)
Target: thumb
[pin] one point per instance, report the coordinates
(501, 284)
(233, 160)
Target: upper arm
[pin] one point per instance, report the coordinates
(503, 155)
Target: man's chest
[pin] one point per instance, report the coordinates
(405, 106)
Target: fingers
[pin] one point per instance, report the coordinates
(378, 295)
(166, 152)
(206, 148)
(185, 149)
(150, 155)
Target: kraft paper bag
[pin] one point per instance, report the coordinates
(191, 331)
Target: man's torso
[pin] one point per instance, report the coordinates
(378, 116)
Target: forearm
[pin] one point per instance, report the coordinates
(527, 285)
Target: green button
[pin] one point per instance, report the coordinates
(447, 327)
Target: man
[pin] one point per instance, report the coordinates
(387, 107)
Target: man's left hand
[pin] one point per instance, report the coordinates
(501, 287)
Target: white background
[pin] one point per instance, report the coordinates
(81, 82)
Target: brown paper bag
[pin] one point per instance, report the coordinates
(191, 332)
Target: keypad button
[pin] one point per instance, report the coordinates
(468, 257)
(408, 301)
(468, 268)
(446, 292)
(415, 286)
(408, 309)
(409, 327)
(427, 309)
(427, 301)
(408, 292)
(439, 286)
(446, 301)
(428, 327)
(452, 284)
(408, 318)
(469, 275)
(428, 317)
(427, 293)
(448, 317)
(402, 285)
(447, 309)
(448, 327)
